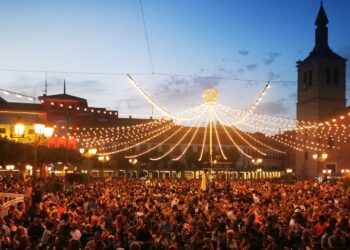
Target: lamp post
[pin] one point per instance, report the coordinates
(321, 158)
(103, 159)
(210, 96)
(19, 130)
(41, 132)
(29, 169)
(133, 161)
(256, 162)
(289, 170)
(345, 172)
(89, 154)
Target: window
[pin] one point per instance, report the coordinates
(310, 78)
(2, 130)
(328, 75)
(335, 76)
(305, 81)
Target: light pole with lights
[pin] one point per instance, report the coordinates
(103, 159)
(321, 158)
(257, 162)
(19, 131)
(89, 154)
(40, 132)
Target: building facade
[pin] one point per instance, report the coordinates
(321, 94)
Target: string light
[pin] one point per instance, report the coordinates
(218, 139)
(178, 116)
(188, 144)
(257, 101)
(136, 144)
(204, 140)
(18, 95)
(235, 144)
(173, 147)
(156, 146)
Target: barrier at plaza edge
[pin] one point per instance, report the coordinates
(9, 199)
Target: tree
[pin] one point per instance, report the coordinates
(20, 153)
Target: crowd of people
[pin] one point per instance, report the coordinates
(11, 184)
(177, 214)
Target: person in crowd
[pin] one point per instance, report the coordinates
(178, 214)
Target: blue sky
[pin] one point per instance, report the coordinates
(249, 39)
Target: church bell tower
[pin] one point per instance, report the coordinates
(321, 77)
(321, 92)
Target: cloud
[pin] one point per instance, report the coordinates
(131, 103)
(243, 52)
(272, 107)
(251, 66)
(225, 70)
(271, 76)
(185, 89)
(240, 70)
(271, 58)
(226, 59)
(293, 96)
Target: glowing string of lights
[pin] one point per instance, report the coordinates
(239, 135)
(156, 105)
(157, 145)
(18, 95)
(204, 140)
(253, 107)
(188, 144)
(136, 144)
(218, 140)
(235, 144)
(173, 147)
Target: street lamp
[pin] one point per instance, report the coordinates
(257, 161)
(65, 169)
(320, 158)
(41, 132)
(10, 167)
(289, 170)
(89, 154)
(29, 168)
(103, 159)
(19, 130)
(133, 161)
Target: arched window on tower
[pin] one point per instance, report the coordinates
(328, 75)
(310, 78)
(305, 81)
(335, 76)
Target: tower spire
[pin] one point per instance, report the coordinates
(64, 86)
(321, 33)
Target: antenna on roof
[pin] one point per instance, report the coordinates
(45, 90)
(64, 86)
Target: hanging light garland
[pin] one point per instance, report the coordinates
(16, 94)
